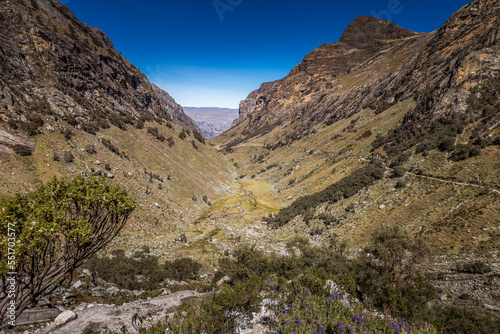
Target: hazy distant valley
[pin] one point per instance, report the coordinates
(212, 121)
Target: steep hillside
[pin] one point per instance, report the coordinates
(426, 105)
(71, 104)
(54, 65)
(175, 110)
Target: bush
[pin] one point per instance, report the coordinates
(401, 184)
(183, 134)
(199, 137)
(182, 269)
(22, 150)
(124, 271)
(399, 171)
(68, 157)
(90, 149)
(476, 267)
(57, 228)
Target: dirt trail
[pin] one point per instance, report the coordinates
(465, 184)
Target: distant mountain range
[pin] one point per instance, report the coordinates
(212, 121)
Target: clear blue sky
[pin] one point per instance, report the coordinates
(214, 53)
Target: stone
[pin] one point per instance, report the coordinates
(78, 284)
(381, 206)
(223, 281)
(64, 318)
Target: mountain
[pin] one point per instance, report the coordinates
(424, 104)
(212, 121)
(71, 104)
(376, 63)
(53, 64)
(175, 110)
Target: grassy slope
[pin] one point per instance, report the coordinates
(458, 217)
(164, 207)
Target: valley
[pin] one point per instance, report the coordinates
(370, 172)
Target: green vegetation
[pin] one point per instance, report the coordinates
(54, 230)
(477, 267)
(301, 299)
(141, 270)
(22, 150)
(155, 133)
(107, 143)
(199, 137)
(344, 188)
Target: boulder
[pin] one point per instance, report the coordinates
(64, 318)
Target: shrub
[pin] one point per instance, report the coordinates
(139, 124)
(182, 269)
(124, 271)
(67, 133)
(476, 267)
(183, 134)
(90, 149)
(401, 184)
(56, 157)
(68, 157)
(57, 228)
(389, 274)
(170, 141)
(193, 143)
(199, 137)
(399, 171)
(22, 150)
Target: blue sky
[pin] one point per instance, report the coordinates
(213, 53)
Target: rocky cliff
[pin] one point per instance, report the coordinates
(53, 64)
(378, 64)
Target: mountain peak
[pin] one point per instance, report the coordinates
(364, 30)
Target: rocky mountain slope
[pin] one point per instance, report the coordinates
(71, 104)
(175, 110)
(212, 121)
(426, 105)
(376, 64)
(52, 64)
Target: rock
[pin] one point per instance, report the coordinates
(78, 284)
(491, 307)
(223, 280)
(109, 175)
(112, 290)
(345, 302)
(5, 149)
(381, 206)
(334, 289)
(64, 318)
(157, 205)
(97, 162)
(49, 127)
(87, 272)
